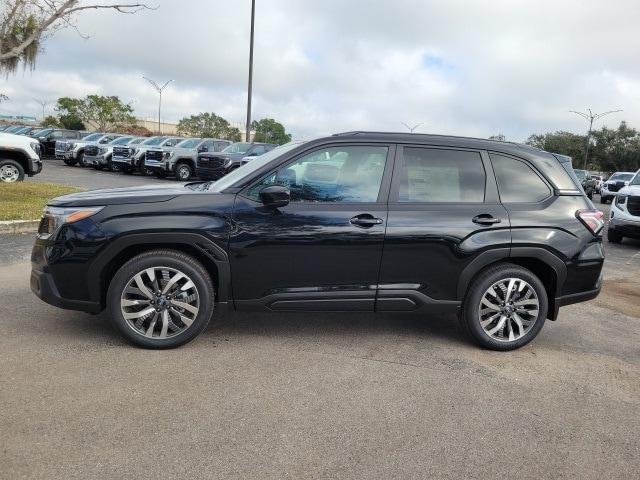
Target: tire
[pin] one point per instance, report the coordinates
(590, 195)
(127, 170)
(159, 174)
(159, 261)
(498, 278)
(113, 167)
(11, 171)
(97, 166)
(613, 236)
(184, 172)
(81, 162)
(604, 200)
(69, 162)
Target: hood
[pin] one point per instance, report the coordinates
(16, 140)
(179, 151)
(630, 190)
(119, 196)
(221, 155)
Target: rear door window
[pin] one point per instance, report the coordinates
(433, 175)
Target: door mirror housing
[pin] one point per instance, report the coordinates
(275, 196)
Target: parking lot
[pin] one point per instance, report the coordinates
(317, 395)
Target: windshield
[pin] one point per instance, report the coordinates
(135, 141)
(189, 143)
(240, 147)
(621, 176)
(636, 179)
(170, 142)
(250, 167)
(154, 141)
(93, 136)
(42, 133)
(581, 174)
(121, 141)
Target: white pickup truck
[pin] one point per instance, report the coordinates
(19, 156)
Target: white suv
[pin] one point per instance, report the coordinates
(19, 156)
(624, 220)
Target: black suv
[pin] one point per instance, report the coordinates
(500, 233)
(49, 136)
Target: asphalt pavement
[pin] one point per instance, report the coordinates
(319, 395)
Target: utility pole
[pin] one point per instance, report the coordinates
(411, 129)
(159, 89)
(44, 104)
(591, 117)
(248, 127)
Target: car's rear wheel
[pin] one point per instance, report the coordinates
(11, 171)
(505, 307)
(161, 299)
(604, 199)
(613, 236)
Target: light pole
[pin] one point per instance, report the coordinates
(44, 104)
(248, 126)
(591, 117)
(159, 89)
(411, 129)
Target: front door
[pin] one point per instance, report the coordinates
(322, 251)
(443, 212)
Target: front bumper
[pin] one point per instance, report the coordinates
(623, 222)
(43, 286)
(36, 167)
(65, 155)
(163, 166)
(97, 160)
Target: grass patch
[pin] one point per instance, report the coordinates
(25, 200)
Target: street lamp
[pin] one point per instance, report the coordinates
(591, 117)
(411, 129)
(248, 127)
(159, 89)
(44, 104)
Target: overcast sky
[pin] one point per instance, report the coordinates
(458, 67)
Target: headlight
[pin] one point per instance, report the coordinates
(35, 146)
(167, 155)
(621, 199)
(227, 162)
(55, 217)
(102, 150)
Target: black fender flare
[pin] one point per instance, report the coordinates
(201, 243)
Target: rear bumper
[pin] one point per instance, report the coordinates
(43, 286)
(578, 297)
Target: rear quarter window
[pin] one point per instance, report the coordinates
(517, 181)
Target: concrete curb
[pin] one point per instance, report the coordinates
(19, 226)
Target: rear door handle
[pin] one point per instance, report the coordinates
(485, 219)
(365, 220)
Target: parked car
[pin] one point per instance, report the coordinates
(4, 127)
(14, 128)
(19, 156)
(500, 233)
(611, 187)
(49, 136)
(599, 179)
(181, 159)
(72, 151)
(100, 156)
(131, 158)
(212, 166)
(624, 217)
(588, 184)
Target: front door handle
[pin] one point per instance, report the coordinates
(485, 219)
(365, 220)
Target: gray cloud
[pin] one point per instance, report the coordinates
(460, 67)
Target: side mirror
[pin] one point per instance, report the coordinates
(275, 196)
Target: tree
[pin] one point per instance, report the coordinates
(269, 131)
(103, 112)
(50, 122)
(208, 125)
(25, 24)
(3, 97)
(616, 149)
(499, 137)
(564, 143)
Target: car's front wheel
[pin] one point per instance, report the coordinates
(11, 171)
(613, 236)
(505, 308)
(161, 299)
(184, 171)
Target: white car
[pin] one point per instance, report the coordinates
(611, 187)
(19, 156)
(624, 219)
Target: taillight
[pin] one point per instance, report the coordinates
(592, 219)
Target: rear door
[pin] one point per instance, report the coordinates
(443, 212)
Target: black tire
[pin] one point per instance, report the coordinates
(590, 195)
(159, 174)
(470, 318)
(613, 236)
(162, 258)
(11, 171)
(127, 170)
(69, 161)
(80, 161)
(184, 172)
(97, 166)
(604, 200)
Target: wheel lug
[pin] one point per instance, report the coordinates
(157, 309)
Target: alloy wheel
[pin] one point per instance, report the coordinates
(160, 302)
(9, 173)
(508, 309)
(184, 172)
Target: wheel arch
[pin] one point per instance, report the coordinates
(213, 258)
(17, 156)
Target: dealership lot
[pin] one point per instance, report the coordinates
(317, 395)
